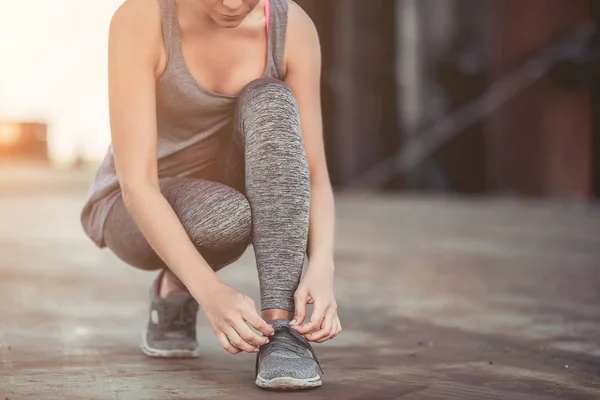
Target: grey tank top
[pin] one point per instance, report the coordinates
(191, 120)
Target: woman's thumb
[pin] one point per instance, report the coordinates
(300, 303)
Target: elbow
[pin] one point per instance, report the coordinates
(135, 190)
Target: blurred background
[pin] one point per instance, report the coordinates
(463, 139)
(464, 96)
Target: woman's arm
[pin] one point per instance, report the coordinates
(136, 59)
(303, 76)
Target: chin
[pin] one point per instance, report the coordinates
(227, 22)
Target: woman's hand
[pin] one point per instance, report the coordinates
(316, 288)
(228, 310)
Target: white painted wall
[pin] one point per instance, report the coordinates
(53, 68)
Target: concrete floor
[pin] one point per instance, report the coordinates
(440, 299)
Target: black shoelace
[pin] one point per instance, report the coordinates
(287, 338)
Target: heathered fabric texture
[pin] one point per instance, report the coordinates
(192, 121)
(266, 164)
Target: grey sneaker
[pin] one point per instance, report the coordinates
(288, 362)
(171, 329)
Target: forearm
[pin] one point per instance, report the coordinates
(322, 223)
(165, 233)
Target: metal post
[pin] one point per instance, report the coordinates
(409, 66)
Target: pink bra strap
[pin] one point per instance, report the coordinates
(268, 14)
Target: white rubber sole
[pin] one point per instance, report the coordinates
(288, 383)
(158, 353)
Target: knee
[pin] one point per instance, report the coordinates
(228, 223)
(266, 91)
(265, 102)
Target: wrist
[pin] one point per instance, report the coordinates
(321, 263)
(203, 286)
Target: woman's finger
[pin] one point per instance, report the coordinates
(248, 335)
(258, 323)
(226, 344)
(326, 327)
(300, 300)
(315, 319)
(238, 342)
(337, 328)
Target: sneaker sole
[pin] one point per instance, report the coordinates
(158, 353)
(284, 384)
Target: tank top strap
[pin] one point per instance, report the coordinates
(277, 15)
(169, 22)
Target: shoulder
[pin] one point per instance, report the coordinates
(299, 22)
(302, 39)
(137, 19)
(136, 28)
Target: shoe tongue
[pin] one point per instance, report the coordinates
(279, 322)
(283, 336)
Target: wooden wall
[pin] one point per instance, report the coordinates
(541, 143)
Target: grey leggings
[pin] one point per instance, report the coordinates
(264, 199)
